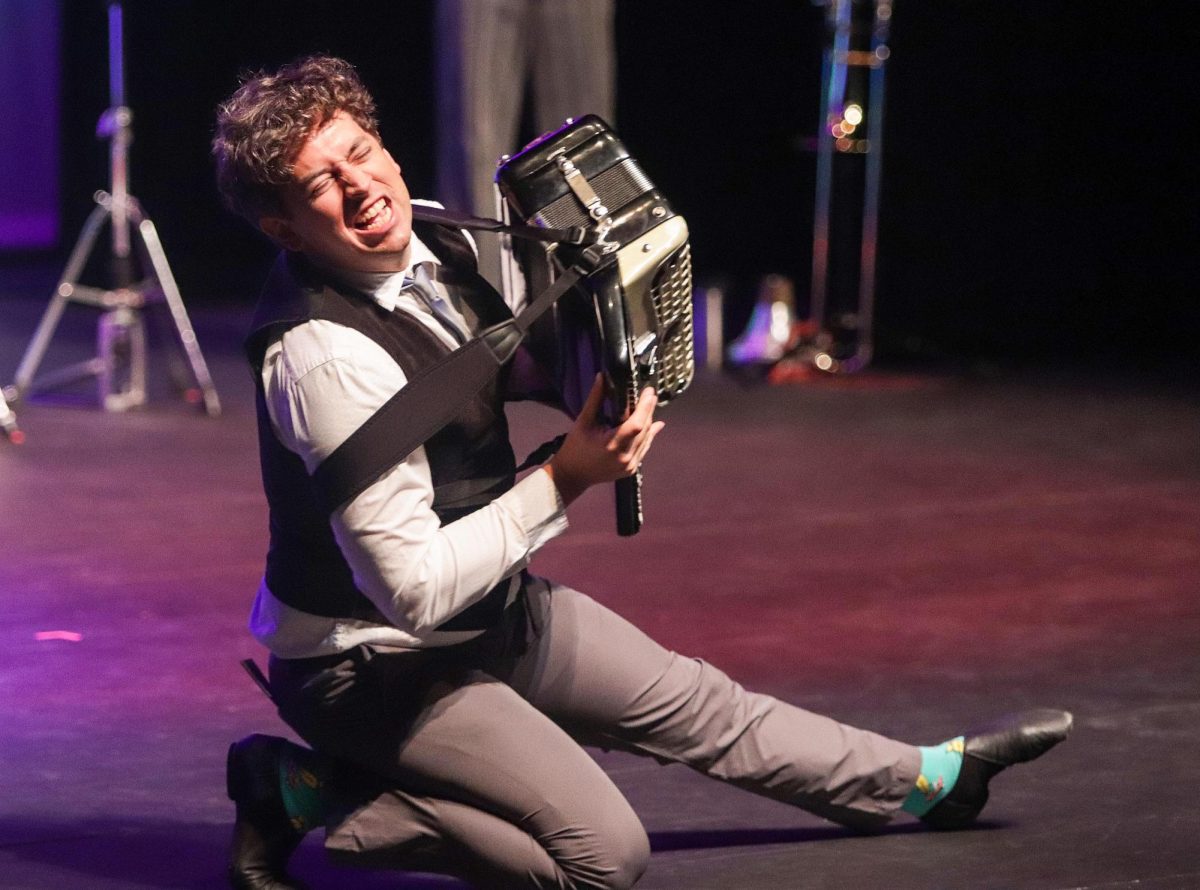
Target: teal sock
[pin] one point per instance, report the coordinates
(939, 771)
(302, 783)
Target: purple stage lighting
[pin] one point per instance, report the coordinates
(29, 97)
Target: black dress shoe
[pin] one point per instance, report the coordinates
(263, 836)
(1013, 739)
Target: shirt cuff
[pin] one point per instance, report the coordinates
(539, 508)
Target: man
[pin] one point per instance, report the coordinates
(445, 690)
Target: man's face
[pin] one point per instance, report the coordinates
(347, 205)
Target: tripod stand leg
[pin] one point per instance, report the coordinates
(178, 368)
(36, 350)
(158, 261)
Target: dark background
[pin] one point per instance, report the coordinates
(1037, 188)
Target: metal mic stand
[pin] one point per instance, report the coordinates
(120, 362)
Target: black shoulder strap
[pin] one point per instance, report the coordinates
(576, 235)
(433, 397)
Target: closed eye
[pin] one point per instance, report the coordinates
(318, 186)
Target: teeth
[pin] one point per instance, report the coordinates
(370, 215)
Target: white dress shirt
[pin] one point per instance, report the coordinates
(322, 381)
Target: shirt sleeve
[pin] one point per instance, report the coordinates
(323, 380)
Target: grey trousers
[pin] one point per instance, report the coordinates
(490, 53)
(480, 746)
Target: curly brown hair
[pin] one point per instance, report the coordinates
(262, 126)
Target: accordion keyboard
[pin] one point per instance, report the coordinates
(671, 294)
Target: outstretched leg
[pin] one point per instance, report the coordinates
(609, 684)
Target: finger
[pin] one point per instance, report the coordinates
(626, 438)
(591, 408)
(646, 403)
(637, 422)
(642, 399)
(634, 450)
(644, 447)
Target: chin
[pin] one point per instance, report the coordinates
(399, 246)
(393, 242)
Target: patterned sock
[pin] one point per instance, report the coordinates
(302, 782)
(940, 765)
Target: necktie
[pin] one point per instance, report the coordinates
(422, 285)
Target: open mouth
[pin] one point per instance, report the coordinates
(374, 217)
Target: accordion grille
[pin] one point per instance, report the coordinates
(671, 294)
(617, 186)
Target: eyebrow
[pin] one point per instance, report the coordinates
(316, 174)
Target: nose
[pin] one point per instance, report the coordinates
(354, 180)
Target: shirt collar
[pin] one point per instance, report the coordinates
(384, 287)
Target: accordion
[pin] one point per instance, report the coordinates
(630, 318)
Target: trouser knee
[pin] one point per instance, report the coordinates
(634, 856)
(621, 858)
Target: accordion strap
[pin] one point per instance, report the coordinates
(433, 397)
(576, 235)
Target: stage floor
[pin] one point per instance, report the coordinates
(911, 552)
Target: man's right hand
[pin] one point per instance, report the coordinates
(594, 452)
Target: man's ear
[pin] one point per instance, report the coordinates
(281, 232)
